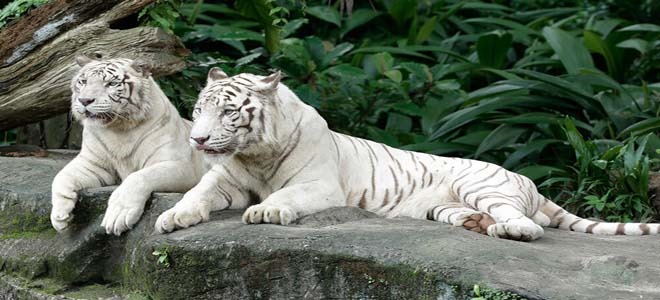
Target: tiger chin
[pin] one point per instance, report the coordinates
(132, 136)
(265, 140)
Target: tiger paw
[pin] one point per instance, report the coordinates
(61, 216)
(183, 215)
(125, 208)
(63, 200)
(265, 213)
(516, 232)
(477, 222)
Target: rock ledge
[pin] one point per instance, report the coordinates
(337, 253)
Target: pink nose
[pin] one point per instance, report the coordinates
(86, 101)
(201, 140)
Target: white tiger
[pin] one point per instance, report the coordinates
(267, 142)
(132, 134)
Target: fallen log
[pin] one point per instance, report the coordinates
(35, 73)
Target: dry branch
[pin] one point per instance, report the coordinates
(34, 82)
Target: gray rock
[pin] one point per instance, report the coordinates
(337, 253)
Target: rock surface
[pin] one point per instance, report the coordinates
(337, 253)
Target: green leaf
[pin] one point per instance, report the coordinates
(408, 108)
(531, 118)
(425, 31)
(437, 148)
(517, 27)
(398, 122)
(293, 58)
(601, 164)
(383, 61)
(493, 47)
(502, 136)
(638, 44)
(393, 50)
(641, 127)
(472, 138)
(584, 99)
(447, 85)
(534, 146)
(461, 117)
(325, 13)
(596, 44)
(292, 26)
(394, 75)
(420, 71)
(248, 58)
(642, 27)
(358, 18)
(260, 10)
(335, 53)
(496, 89)
(572, 53)
(401, 10)
(576, 140)
(539, 171)
(221, 32)
(346, 71)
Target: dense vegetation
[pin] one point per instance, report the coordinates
(568, 96)
(564, 92)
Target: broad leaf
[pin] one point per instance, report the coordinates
(325, 13)
(571, 51)
(493, 47)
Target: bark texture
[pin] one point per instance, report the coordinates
(37, 53)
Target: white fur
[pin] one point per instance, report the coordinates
(145, 149)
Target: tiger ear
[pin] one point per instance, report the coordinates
(270, 82)
(216, 74)
(82, 60)
(142, 67)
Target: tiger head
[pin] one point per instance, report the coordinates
(229, 113)
(110, 92)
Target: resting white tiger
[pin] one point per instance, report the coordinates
(133, 134)
(266, 141)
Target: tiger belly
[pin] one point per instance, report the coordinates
(394, 182)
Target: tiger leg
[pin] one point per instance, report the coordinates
(215, 191)
(439, 204)
(294, 201)
(512, 224)
(459, 215)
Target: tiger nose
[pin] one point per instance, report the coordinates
(201, 140)
(86, 101)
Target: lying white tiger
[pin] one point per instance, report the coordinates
(133, 134)
(266, 141)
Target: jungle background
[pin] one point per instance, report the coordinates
(564, 92)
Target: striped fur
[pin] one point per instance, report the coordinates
(272, 144)
(132, 134)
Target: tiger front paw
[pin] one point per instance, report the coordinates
(63, 200)
(184, 214)
(266, 213)
(125, 208)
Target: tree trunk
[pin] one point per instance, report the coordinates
(37, 53)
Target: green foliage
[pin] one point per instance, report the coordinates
(480, 293)
(611, 176)
(162, 256)
(162, 13)
(17, 8)
(475, 79)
